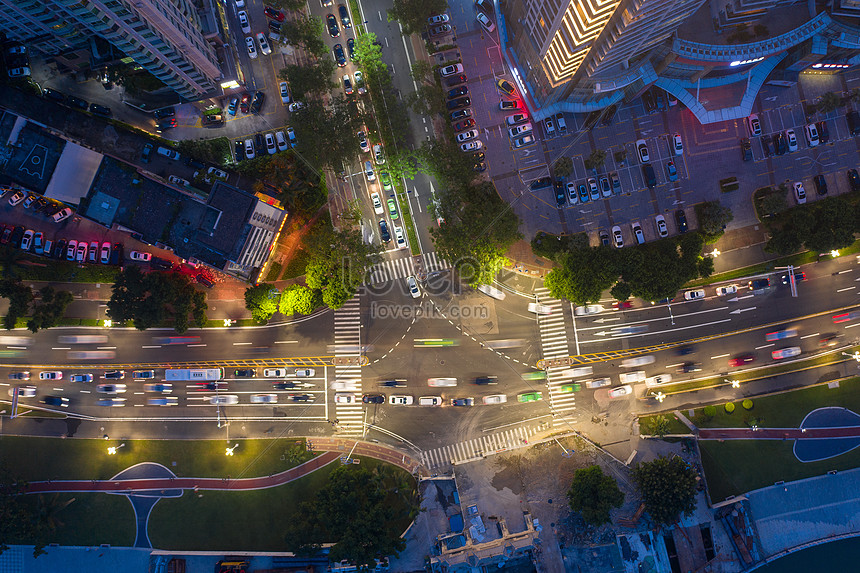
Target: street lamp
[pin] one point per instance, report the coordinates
(108, 323)
(734, 383)
(855, 356)
(660, 397)
(230, 449)
(715, 253)
(112, 450)
(834, 253)
(228, 322)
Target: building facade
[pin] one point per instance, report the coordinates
(164, 37)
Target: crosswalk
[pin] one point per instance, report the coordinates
(442, 458)
(347, 335)
(554, 344)
(403, 267)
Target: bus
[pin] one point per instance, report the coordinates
(83, 339)
(193, 375)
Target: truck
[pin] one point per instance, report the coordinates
(193, 374)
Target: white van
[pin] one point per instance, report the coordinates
(492, 291)
(430, 401)
(637, 361)
(581, 371)
(539, 308)
(598, 383)
(628, 377)
(441, 382)
(658, 380)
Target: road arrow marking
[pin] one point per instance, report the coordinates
(747, 296)
(601, 320)
(740, 310)
(846, 288)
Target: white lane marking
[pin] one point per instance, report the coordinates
(747, 296)
(286, 342)
(106, 347)
(809, 335)
(846, 288)
(640, 321)
(241, 343)
(765, 346)
(150, 346)
(17, 347)
(853, 325)
(674, 365)
(61, 348)
(194, 345)
(846, 271)
(620, 335)
(720, 356)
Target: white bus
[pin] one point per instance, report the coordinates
(193, 374)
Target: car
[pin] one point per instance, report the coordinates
(111, 388)
(285, 94)
(465, 124)
(681, 220)
(400, 237)
(495, 399)
(252, 47)
(605, 187)
(281, 140)
(430, 401)
(59, 401)
(780, 334)
(616, 183)
(811, 133)
(362, 142)
(331, 23)
(467, 135)
(617, 238)
(694, 294)
(820, 184)
(523, 141)
(506, 87)
(657, 380)
(648, 102)
(603, 236)
(62, 215)
(257, 102)
(572, 197)
(59, 250)
(344, 16)
(245, 103)
(23, 391)
(597, 383)
(621, 391)
(160, 387)
(799, 193)
(677, 144)
(111, 402)
(274, 372)
(245, 373)
(139, 256)
(754, 125)
(459, 103)
(368, 171)
(451, 70)
(516, 119)
(854, 179)
(845, 317)
(114, 375)
(377, 203)
(583, 193)
(440, 29)
(29, 201)
(392, 208)
(383, 231)
(726, 290)
(746, 149)
(828, 341)
(460, 114)
(19, 376)
(455, 80)
(437, 19)
(472, 145)
(273, 13)
(71, 250)
(588, 309)
(168, 153)
(224, 400)
(101, 110)
(105, 253)
(485, 22)
(301, 397)
(529, 397)
(17, 197)
(77, 378)
(510, 104)
(26, 240)
(143, 374)
(791, 137)
(789, 352)
(558, 185)
(541, 309)
(271, 148)
(163, 401)
(412, 284)
(359, 82)
(767, 146)
(400, 400)
(637, 232)
(741, 360)
(823, 132)
(759, 284)
(291, 135)
(671, 171)
(373, 399)
(93, 251)
(798, 277)
(462, 401)
(274, 30)
(339, 55)
(642, 149)
(779, 143)
(146, 153)
(264, 398)
(690, 367)
(662, 228)
(378, 156)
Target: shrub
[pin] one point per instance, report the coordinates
(747, 404)
(709, 411)
(730, 408)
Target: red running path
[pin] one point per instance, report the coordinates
(778, 433)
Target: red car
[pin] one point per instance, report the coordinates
(465, 124)
(245, 106)
(845, 317)
(741, 360)
(273, 14)
(622, 305)
(7, 232)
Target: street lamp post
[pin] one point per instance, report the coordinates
(112, 450)
(231, 449)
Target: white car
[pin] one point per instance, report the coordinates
(677, 144)
(285, 93)
(630, 377)
(377, 203)
(111, 388)
(140, 256)
(617, 238)
(281, 140)
(362, 142)
(791, 137)
(485, 22)
(588, 309)
(523, 140)
(642, 148)
(637, 361)
(275, 372)
(467, 135)
(252, 47)
(441, 382)
(516, 119)
(51, 375)
(344, 398)
(264, 398)
(495, 399)
(249, 149)
(451, 70)
(368, 171)
(243, 22)
(472, 145)
(539, 308)
(754, 125)
(657, 380)
(264, 44)
(305, 372)
(726, 290)
(625, 390)
(799, 193)
(518, 130)
(694, 294)
(662, 229)
(789, 352)
(598, 383)
(24, 391)
(270, 144)
(437, 19)
(811, 133)
(223, 400)
(27, 240)
(399, 237)
(413, 287)
(572, 196)
(178, 181)
(400, 400)
(377, 154)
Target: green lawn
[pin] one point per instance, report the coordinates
(676, 426)
(37, 459)
(252, 520)
(91, 519)
(738, 466)
(785, 410)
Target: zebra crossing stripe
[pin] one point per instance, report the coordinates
(347, 334)
(477, 447)
(402, 268)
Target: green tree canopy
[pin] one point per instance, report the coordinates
(306, 31)
(50, 309)
(583, 274)
(412, 14)
(563, 166)
(20, 296)
(310, 80)
(327, 134)
(339, 263)
(593, 493)
(262, 301)
(152, 299)
(668, 487)
(299, 299)
(713, 217)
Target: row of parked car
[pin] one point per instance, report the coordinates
(268, 143)
(40, 204)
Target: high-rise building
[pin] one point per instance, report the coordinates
(162, 36)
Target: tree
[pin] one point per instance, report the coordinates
(261, 300)
(50, 310)
(310, 80)
(299, 299)
(828, 102)
(713, 217)
(834, 226)
(368, 56)
(658, 426)
(288, 5)
(300, 187)
(327, 134)
(356, 511)
(412, 14)
(774, 203)
(595, 160)
(593, 494)
(18, 521)
(306, 31)
(583, 274)
(668, 488)
(621, 291)
(154, 299)
(20, 296)
(563, 166)
(339, 263)
(402, 163)
(428, 100)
